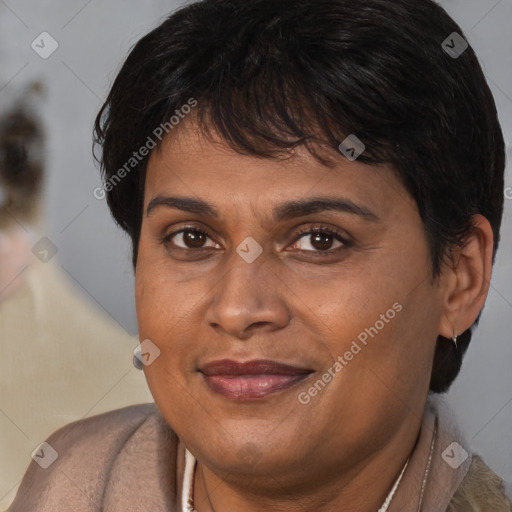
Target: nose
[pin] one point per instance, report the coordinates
(249, 299)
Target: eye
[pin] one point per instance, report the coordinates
(320, 240)
(189, 238)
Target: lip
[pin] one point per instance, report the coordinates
(251, 380)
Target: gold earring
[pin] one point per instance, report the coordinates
(454, 339)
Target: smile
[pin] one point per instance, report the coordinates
(251, 380)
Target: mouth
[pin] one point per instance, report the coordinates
(251, 380)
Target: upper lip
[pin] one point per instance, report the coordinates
(254, 367)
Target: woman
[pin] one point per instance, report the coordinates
(314, 193)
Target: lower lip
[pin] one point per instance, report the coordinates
(250, 387)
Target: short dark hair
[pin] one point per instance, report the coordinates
(271, 75)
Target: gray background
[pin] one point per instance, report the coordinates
(94, 37)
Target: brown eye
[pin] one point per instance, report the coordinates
(188, 239)
(321, 240)
(193, 239)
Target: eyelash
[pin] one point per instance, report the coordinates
(305, 231)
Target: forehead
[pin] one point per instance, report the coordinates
(192, 165)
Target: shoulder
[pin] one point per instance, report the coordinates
(481, 489)
(75, 462)
(103, 432)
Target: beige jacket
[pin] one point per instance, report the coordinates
(129, 460)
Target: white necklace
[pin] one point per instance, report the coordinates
(187, 498)
(387, 501)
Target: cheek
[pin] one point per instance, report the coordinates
(381, 320)
(146, 299)
(157, 299)
(167, 311)
(355, 303)
(161, 317)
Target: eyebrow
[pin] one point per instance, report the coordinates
(282, 212)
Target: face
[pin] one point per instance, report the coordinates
(321, 273)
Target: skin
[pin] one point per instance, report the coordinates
(346, 447)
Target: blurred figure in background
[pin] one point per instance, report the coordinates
(21, 179)
(50, 334)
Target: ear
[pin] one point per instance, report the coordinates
(466, 283)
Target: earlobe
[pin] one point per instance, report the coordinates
(467, 280)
